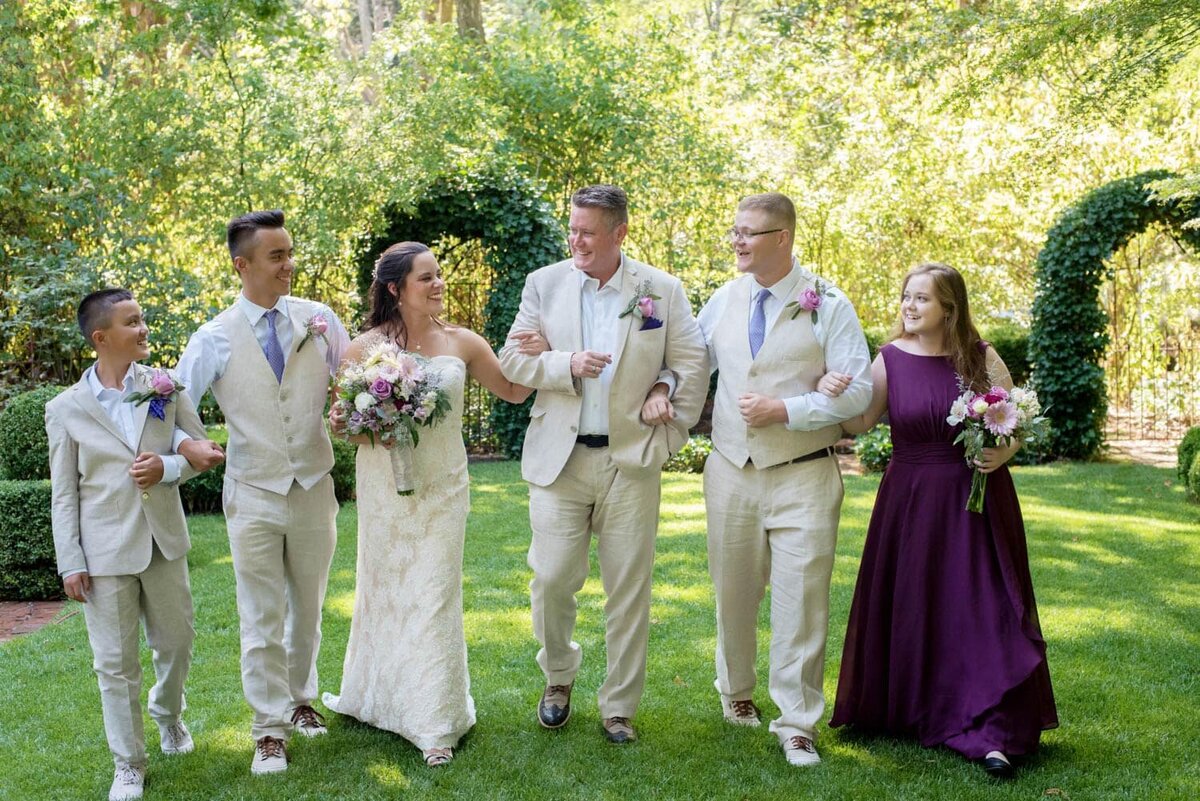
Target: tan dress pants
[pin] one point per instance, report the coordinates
(282, 546)
(777, 525)
(589, 497)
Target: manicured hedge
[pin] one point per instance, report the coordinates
(1189, 446)
(28, 570)
(691, 456)
(24, 450)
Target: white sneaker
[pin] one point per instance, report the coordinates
(127, 783)
(308, 721)
(741, 712)
(176, 739)
(800, 751)
(270, 756)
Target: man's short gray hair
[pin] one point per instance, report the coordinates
(611, 199)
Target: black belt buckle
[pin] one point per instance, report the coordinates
(593, 440)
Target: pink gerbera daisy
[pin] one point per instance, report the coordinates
(1001, 418)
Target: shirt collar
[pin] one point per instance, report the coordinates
(98, 388)
(615, 281)
(254, 312)
(784, 289)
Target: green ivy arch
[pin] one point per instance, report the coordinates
(519, 233)
(1069, 333)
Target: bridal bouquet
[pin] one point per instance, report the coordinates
(389, 396)
(995, 417)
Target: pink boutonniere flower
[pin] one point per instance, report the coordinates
(810, 300)
(316, 326)
(643, 306)
(162, 391)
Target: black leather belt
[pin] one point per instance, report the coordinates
(808, 457)
(593, 440)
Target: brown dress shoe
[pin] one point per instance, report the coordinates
(619, 730)
(554, 710)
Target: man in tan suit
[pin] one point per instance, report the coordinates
(119, 532)
(772, 488)
(268, 359)
(624, 379)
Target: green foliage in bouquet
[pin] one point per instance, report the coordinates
(691, 456)
(874, 448)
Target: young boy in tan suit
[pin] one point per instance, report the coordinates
(120, 441)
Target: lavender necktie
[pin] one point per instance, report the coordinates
(758, 322)
(272, 349)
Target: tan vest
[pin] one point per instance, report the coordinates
(789, 363)
(276, 430)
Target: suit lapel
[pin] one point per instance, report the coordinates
(572, 313)
(141, 381)
(87, 401)
(629, 282)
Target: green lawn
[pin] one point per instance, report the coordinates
(1116, 563)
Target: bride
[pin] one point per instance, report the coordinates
(406, 661)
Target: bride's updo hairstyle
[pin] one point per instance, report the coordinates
(962, 338)
(391, 269)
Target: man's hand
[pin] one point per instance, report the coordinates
(834, 384)
(530, 343)
(147, 470)
(201, 454)
(657, 410)
(759, 410)
(589, 363)
(78, 586)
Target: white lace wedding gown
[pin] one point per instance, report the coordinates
(406, 662)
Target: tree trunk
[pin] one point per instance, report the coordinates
(470, 19)
(365, 18)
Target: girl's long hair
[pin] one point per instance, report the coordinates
(962, 339)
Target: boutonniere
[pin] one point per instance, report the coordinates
(162, 391)
(642, 305)
(810, 300)
(316, 326)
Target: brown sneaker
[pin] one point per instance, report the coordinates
(618, 730)
(308, 721)
(741, 713)
(270, 756)
(554, 710)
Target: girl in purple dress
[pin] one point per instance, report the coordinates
(943, 643)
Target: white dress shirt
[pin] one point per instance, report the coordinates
(121, 412)
(599, 307)
(207, 353)
(838, 332)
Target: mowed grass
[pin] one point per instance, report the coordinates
(1115, 553)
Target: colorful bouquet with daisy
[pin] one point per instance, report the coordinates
(389, 396)
(995, 417)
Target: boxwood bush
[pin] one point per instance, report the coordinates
(874, 448)
(1188, 447)
(24, 450)
(691, 456)
(28, 570)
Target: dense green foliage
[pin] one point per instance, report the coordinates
(691, 456)
(874, 448)
(1193, 481)
(28, 570)
(1069, 332)
(1188, 448)
(24, 449)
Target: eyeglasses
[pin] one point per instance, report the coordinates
(736, 235)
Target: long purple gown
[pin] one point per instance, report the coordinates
(943, 642)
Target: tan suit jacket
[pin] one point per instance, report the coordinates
(550, 304)
(102, 522)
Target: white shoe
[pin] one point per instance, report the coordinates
(308, 721)
(176, 739)
(127, 783)
(270, 756)
(800, 751)
(741, 712)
